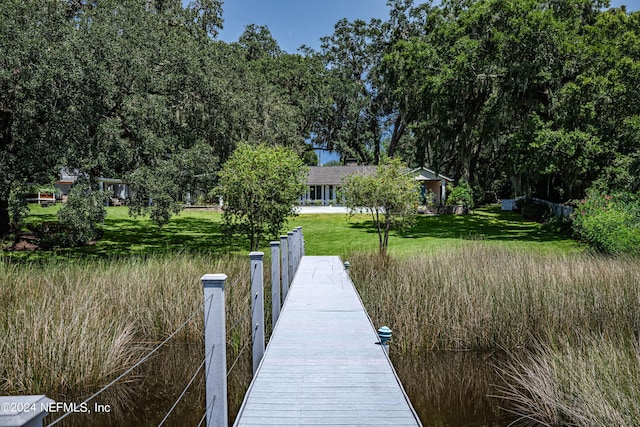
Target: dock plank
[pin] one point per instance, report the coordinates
(323, 365)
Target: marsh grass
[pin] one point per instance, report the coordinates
(594, 381)
(485, 297)
(567, 323)
(66, 329)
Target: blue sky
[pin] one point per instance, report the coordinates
(632, 5)
(297, 22)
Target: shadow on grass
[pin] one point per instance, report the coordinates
(199, 233)
(127, 237)
(485, 223)
(185, 234)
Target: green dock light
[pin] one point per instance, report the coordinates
(385, 335)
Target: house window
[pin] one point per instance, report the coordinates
(315, 192)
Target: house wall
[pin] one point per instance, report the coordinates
(434, 187)
(321, 194)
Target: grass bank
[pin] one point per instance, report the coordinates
(73, 319)
(481, 296)
(567, 322)
(66, 328)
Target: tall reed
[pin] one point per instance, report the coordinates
(483, 297)
(591, 382)
(71, 327)
(568, 324)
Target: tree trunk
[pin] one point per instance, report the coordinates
(387, 228)
(5, 225)
(376, 138)
(6, 119)
(376, 220)
(398, 131)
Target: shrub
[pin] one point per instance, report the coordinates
(461, 194)
(609, 222)
(78, 220)
(533, 211)
(18, 206)
(390, 196)
(558, 224)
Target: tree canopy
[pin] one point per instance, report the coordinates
(140, 91)
(523, 97)
(513, 96)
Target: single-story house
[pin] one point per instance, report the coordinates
(66, 181)
(433, 183)
(324, 182)
(118, 187)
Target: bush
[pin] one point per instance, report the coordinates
(78, 220)
(533, 211)
(260, 185)
(558, 224)
(18, 206)
(461, 194)
(609, 222)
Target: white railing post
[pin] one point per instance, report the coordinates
(296, 251)
(292, 261)
(275, 283)
(284, 250)
(215, 344)
(301, 242)
(257, 307)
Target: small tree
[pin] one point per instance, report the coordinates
(79, 219)
(260, 186)
(461, 194)
(390, 195)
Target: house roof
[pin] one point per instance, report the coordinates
(426, 174)
(334, 175)
(327, 175)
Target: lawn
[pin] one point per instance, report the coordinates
(325, 234)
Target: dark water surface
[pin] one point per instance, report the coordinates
(454, 389)
(447, 389)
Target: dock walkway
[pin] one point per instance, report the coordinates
(323, 365)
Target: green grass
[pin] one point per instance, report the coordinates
(325, 234)
(485, 281)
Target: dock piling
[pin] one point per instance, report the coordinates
(275, 283)
(257, 307)
(215, 342)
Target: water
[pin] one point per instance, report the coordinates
(454, 389)
(145, 397)
(447, 389)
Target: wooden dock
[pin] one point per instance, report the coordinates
(324, 365)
